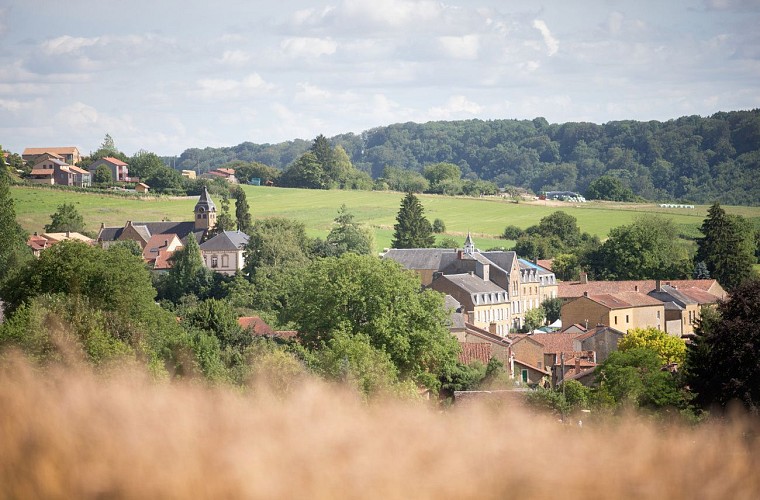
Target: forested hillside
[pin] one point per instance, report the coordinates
(697, 159)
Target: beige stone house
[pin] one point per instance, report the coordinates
(622, 311)
(68, 154)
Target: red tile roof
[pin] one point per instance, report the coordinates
(115, 161)
(78, 170)
(475, 351)
(701, 296)
(545, 263)
(41, 151)
(570, 289)
(623, 300)
(256, 325)
(42, 171)
(556, 342)
(227, 171)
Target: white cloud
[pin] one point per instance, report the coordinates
(223, 89)
(235, 57)
(461, 47)
(308, 47)
(456, 107)
(552, 45)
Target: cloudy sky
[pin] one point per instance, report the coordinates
(166, 75)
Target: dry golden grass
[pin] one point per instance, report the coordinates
(68, 433)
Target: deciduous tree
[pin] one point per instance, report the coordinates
(66, 218)
(670, 349)
(13, 249)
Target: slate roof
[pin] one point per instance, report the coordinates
(486, 335)
(205, 202)
(419, 258)
(457, 318)
(472, 284)
(503, 260)
(181, 229)
(227, 240)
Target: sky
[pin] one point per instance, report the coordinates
(167, 75)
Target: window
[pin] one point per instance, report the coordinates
(626, 318)
(616, 320)
(524, 376)
(658, 314)
(225, 260)
(214, 261)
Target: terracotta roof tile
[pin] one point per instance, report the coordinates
(556, 342)
(570, 289)
(475, 351)
(256, 325)
(115, 161)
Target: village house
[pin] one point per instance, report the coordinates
(68, 154)
(119, 169)
(159, 249)
(224, 253)
(568, 290)
(51, 170)
(622, 311)
(37, 242)
(227, 174)
(683, 306)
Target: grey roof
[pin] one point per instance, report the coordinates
(472, 284)
(227, 240)
(502, 259)
(419, 258)
(667, 293)
(456, 317)
(181, 229)
(205, 202)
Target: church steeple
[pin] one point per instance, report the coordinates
(469, 246)
(205, 211)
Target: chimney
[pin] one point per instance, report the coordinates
(492, 328)
(657, 285)
(585, 294)
(584, 278)
(636, 288)
(102, 225)
(577, 364)
(586, 322)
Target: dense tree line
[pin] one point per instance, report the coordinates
(701, 159)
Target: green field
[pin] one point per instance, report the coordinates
(484, 217)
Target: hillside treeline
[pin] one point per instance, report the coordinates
(697, 159)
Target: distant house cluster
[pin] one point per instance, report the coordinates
(489, 293)
(563, 196)
(222, 252)
(39, 242)
(57, 166)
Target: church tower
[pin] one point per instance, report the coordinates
(469, 246)
(205, 212)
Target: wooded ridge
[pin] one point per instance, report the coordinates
(692, 158)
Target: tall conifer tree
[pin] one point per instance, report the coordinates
(13, 251)
(412, 229)
(727, 247)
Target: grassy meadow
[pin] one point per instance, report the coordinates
(66, 432)
(484, 217)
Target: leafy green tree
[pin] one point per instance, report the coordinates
(463, 377)
(376, 299)
(348, 236)
(512, 232)
(218, 318)
(439, 226)
(113, 279)
(566, 266)
(246, 171)
(66, 218)
(164, 178)
(144, 165)
(562, 226)
(722, 363)
(13, 249)
(634, 378)
(727, 247)
(534, 318)
(644, 249)
(306, 172)
(412, 229)
(670, 349)
(242, 211)
(102, 175)
(447, 243)
(553, 308)
(187, 275)
(444, 178)
(609, 188)
(276, 242)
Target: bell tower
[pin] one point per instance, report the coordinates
(469, 246)
(205, 211)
